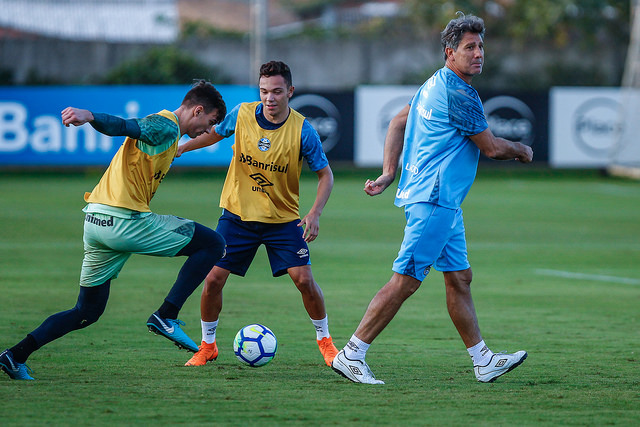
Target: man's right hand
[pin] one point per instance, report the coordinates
(373, 188)
(76, 116)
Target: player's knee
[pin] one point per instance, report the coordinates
(92, 302)
(218, 247)
(410, 289)
(402, 285)
(308, 286)
(205, 241)
(213, 283)
(459, 280)
(210, 289)
(88, 315)
(215, 247)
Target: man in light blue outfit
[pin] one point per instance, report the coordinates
(441, 133)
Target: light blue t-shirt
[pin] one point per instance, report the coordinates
(311, 146)
(439, 161)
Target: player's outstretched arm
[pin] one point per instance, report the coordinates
(502, 149)
(103, 123)
(204, 140)
(393, 144)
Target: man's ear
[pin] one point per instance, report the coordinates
(449, 52)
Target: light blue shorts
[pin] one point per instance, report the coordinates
(109, 241)
(434, 236)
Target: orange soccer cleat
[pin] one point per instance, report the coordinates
(205, 353)
(327, 349)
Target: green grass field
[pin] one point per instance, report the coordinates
(556, 272)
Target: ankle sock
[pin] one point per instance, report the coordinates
(356, 349)
(209, 331)
(480, 354)
(322, 328)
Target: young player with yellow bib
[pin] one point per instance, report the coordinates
(260, 202)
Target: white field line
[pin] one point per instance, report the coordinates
(583, 276)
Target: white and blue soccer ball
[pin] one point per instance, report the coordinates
(255, 345)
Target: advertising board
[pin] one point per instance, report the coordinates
(32, 134)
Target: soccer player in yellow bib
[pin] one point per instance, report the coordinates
(260, 202)
(119, 222)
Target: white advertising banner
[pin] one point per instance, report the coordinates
(375, 107)
(508, 116)
(585, 126)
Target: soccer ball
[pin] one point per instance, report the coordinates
(255, 345)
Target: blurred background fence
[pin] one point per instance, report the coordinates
(552, 77)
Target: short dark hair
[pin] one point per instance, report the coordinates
(457, 27)
(276, 68)
(204, 93)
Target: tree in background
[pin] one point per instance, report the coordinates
(559, 22)
(591, 32)
(163, 65)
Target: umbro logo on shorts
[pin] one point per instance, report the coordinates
(303, 253)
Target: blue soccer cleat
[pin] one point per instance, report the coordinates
(170, 328)
(15, 370)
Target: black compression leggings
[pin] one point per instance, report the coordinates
(90, 306)
(203, 251)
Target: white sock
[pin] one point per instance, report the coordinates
(322, 327)
(209, 331)
(480, 354)
(356, 349)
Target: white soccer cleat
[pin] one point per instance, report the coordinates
(500, 364)
(355, 370)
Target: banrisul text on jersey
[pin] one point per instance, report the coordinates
(271, 167)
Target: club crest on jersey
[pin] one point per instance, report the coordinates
(264, 144)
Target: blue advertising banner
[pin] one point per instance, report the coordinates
(32, 134)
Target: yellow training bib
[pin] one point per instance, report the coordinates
(133, 176)
(263, 179)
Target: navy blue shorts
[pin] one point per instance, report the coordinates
(285, 245)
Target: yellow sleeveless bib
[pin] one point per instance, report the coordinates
(263, 179)
(133, 176)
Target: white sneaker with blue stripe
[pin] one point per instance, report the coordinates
(500, 364)
(355, 370)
